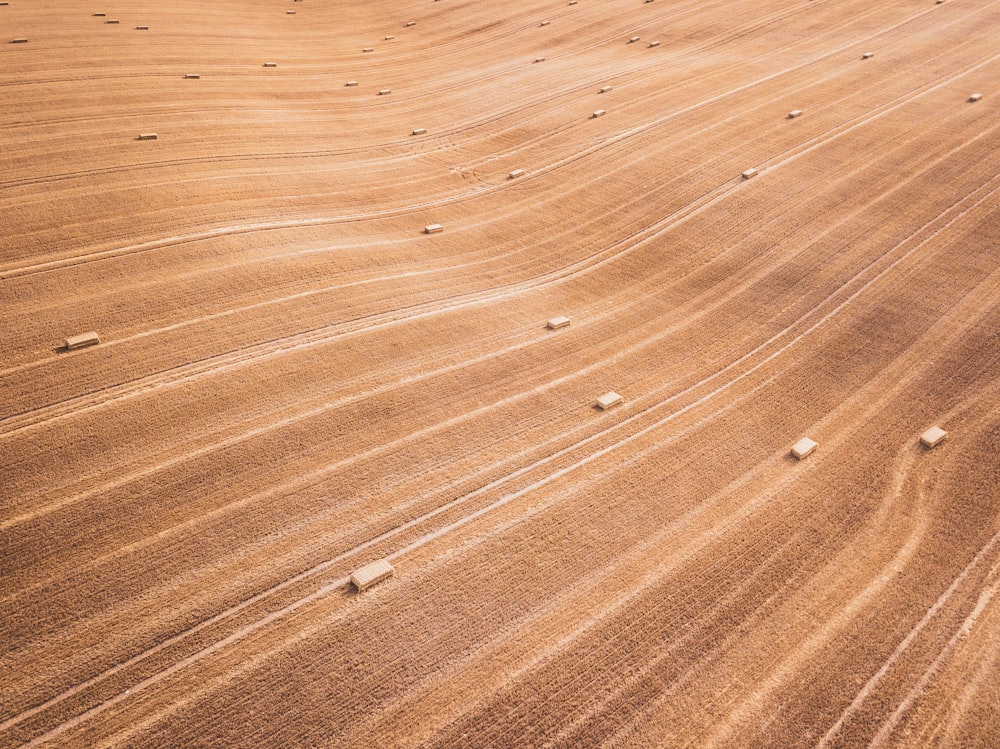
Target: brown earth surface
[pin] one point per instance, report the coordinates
(294, 380)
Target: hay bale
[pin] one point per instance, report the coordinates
(608, 400)
(539, 59)
(193, 76)
(933, 437)
(867, 55)
(433, 228)
(794, 113)
(605, 89)
(545, 23)
(419, 131)
(368, 49)
(270, 64)
(147, 136)
(654, 44)
(81, 341)
(975, 97)
(389, 38)
(372, 574)
(752, 172)
(803, 447)
(598, 113)
(351, 83)
(633, 39)
(384, 91)
(515, 174)
(557, 322)
(112, 20)
(142, 28)
(410, 23)
(19, 40)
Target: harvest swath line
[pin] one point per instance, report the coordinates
(881, 578)
(902, 370)
(539, 172)
(589, 263)
(72, 499)
(984, 600)
(903, 461)
(259, 156)
(701, 306)
(905, 457)
(58, 730)
(16, 271)
(457, 129)
(843, 437)
(908, 367)
(873, 682)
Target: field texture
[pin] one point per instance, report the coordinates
(294, 380)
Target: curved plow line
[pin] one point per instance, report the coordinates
(22, 716)
(872, 683)
(477, 298)
(58, 730)
(15, 271)
(692, 211)
(121, 480)
(985, 597)
(903, 462)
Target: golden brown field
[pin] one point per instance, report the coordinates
(294, 380)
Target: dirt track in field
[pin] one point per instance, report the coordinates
(294, 380)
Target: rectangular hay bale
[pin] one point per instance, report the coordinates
(372, 574)
(933, 437)
(433, 228)
(557, 322)
(752, 172)
(803, 447)
(147, 136)
(598, 113)
(608, 400)
(81, 341)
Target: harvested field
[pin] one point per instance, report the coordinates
(294, 379)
